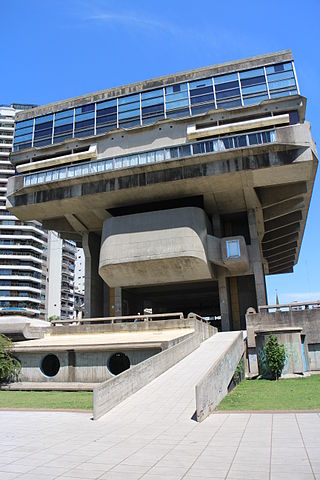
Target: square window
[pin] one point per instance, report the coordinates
(233, 248)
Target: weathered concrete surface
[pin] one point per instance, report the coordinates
(87, 366)
(213, 387)
(155, 247)
(41, 386)
(20, 328)
(166, 246)
(291, 339)
(308, 320)
(112, 392)
(84, 356)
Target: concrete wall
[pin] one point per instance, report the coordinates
(87, 367)
(292, 343)
(112, 392)
(155, 247)
(156, 325)
(314, 356)
(214, 385)
(307, 320)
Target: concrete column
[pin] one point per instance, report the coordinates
(118, 302)
(94, 298)
(256, 260)
(216, 225)
(224, 304)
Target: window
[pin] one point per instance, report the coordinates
(152, 106)
(233, 248)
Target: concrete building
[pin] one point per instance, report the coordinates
(60, 277)
(184, 190)
(22, 244)
(79, 274)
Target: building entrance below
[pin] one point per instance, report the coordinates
(200, 297)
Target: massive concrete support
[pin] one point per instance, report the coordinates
(224, 303)
(257, 265)
(96, 292)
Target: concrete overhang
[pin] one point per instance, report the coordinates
(162, 247)
(103, 341)
(196, 132)
(90, 153)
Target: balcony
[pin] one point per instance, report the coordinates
(229, 142)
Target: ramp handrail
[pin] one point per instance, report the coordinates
(145, 317)
(290, 306)
(197, 317)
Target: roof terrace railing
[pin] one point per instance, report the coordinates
(155, 156)
(123, 319)
(294, 306)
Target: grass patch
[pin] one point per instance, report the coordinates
(290, 394)
(48, 400)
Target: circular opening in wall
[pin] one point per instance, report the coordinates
(118, 362)
(50, 365)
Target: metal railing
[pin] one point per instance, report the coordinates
(294, 306)
(210, 146)
(123, 319)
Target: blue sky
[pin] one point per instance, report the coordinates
(55, 49)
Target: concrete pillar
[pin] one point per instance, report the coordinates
(216, 225)
(224, 303)
(256, 260)
(95, 302)
(118, 302)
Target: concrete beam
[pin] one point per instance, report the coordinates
(280, 222)
(280, 242)
(281, 232)
(287, 258)
(289, 206)
(272, 195)
(283, 263)
(279, 256)
(283, 248)
(77, 225)
(279, 270)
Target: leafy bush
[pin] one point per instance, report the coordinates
(275, 356)
(9, 366)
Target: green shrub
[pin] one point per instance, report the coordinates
(275, 356)
(9, 366)
(238, 374)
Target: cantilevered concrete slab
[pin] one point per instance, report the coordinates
(230, 140)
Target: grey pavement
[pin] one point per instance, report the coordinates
(152, 436)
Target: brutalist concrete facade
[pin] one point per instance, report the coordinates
(184, 191)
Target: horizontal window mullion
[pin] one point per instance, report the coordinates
(202, 99)
(106, 111)
(201, 91)
(63, 128)
(107, 119)
(228, 94)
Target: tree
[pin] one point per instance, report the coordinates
(275, 356)
(9, 366)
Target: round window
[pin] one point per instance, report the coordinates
(118, 362)
(50, 365)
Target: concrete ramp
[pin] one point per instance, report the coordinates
(173, 392)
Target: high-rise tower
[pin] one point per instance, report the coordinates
(22, 244)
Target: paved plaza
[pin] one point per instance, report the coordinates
(130, 446)
(152, 436)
